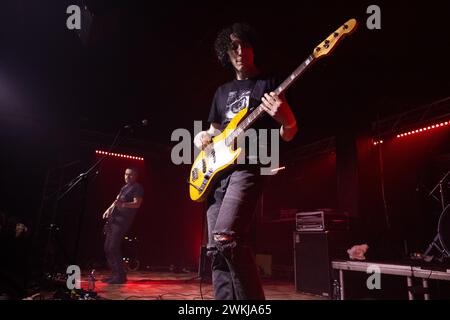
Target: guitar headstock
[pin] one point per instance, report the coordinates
(333, 39)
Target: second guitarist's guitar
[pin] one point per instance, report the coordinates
(111, 210)
(220, 154)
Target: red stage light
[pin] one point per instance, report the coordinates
(377, 142)
(434, 126)
(119, 155)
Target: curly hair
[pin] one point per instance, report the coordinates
(223, 42)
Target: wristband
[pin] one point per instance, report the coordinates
(291, 125)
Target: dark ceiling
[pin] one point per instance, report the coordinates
(154, 60)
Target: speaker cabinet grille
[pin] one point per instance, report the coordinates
(313, 253)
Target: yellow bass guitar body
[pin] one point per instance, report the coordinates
(213, 160)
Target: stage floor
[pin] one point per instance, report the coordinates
(144, 285)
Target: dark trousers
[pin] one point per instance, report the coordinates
(230, 213)
(115, 231)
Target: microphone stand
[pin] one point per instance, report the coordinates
(441, 190)
(437, 241)
(83, 178)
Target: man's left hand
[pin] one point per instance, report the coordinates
(277, 108)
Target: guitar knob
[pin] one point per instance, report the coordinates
(326, 46)
(345, 26)
(335, 34)
(327, 41)
(317, 49)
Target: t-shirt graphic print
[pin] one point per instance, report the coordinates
(236, 101)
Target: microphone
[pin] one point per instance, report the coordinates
(143, 123)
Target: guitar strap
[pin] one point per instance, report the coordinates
(256, 94)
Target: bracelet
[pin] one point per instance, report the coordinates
(290, 126)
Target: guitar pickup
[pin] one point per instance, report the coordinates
(194, 174)
(203, 166)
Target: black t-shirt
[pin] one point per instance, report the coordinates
(127, 194)
(236, 95)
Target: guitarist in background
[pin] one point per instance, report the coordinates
(232, 202)
(120, 216)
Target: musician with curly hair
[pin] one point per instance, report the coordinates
(232, 202)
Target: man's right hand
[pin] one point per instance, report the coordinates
(107, 214)
(20, 228)
(202, 139)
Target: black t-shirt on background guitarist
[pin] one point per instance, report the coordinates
(125, 216)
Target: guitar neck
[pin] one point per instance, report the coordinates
(294, 75)
(259, 111)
